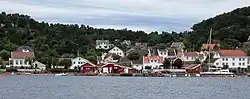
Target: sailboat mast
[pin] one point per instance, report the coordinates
(209, 50)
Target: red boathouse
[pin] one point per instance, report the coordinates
(89, 67)
(112, 68)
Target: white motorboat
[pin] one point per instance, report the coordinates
(61, 74)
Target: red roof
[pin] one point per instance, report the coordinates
(147, 59)
(89, 65)
(190, 54)
(22, 55)
(206, 46)
(231, 53)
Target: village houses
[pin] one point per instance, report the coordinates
(152, 62)
(19, 57)
(188, 56)
(103, 44)
(78, 62)
(233, 58)
(117, 51)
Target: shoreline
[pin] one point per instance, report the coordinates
(125, 75)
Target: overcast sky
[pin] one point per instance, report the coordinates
(147, 15)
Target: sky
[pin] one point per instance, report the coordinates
(146, 15)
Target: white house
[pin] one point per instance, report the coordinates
(117, 51)
(20, 57)
(152, 62)
(233, 58)
(163, 53)
(188, 56)
(78, 62)
(39, 65)
(103, 44)
(108, 58)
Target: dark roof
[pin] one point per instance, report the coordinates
(171, 52)
(191, 54)
(213, 60)
(21, 48)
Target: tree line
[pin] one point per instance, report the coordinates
(51, 41)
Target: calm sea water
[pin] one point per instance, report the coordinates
(51, 87)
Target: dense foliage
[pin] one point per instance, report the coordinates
(52, 41)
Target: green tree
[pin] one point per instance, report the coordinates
(178, 63)
(197, 61)
(5, 55)
(133, 56)
(66, 63)
(166, 64)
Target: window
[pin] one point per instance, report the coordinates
(217, 63)
(226, 63)
(21, 62)
(233, 58)
(17, 62)
(243, 59)
(74, 62)
(161, 53)
(239, 63)
(79, 58)
(239, 59)
(233, 64)
(79, 62)
(223, 63)
(222, 59)
(226, 59)
(243, 63)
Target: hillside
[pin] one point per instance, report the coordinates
(49, 41)
(230, 29)
(60, 40)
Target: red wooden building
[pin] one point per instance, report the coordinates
(112, 68)
(89, 67)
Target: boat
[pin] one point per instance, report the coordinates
(221, 72)
(62, 74)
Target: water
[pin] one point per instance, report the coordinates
(51, 87)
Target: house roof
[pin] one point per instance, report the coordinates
(231, 53)
(176, 44)
(22, 55)
(190, 54)
(89, 64)
(206, 46)
(147, 59)
(21, 48)
(171, 52)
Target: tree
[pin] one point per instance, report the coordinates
(225, 67)
(133, 56)
(116, 57)
(197, 61)
(166, 64)
(204, 67)
(5, 55)
(178, 63)
(91, 58)
(66, 63)
(30, 61)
